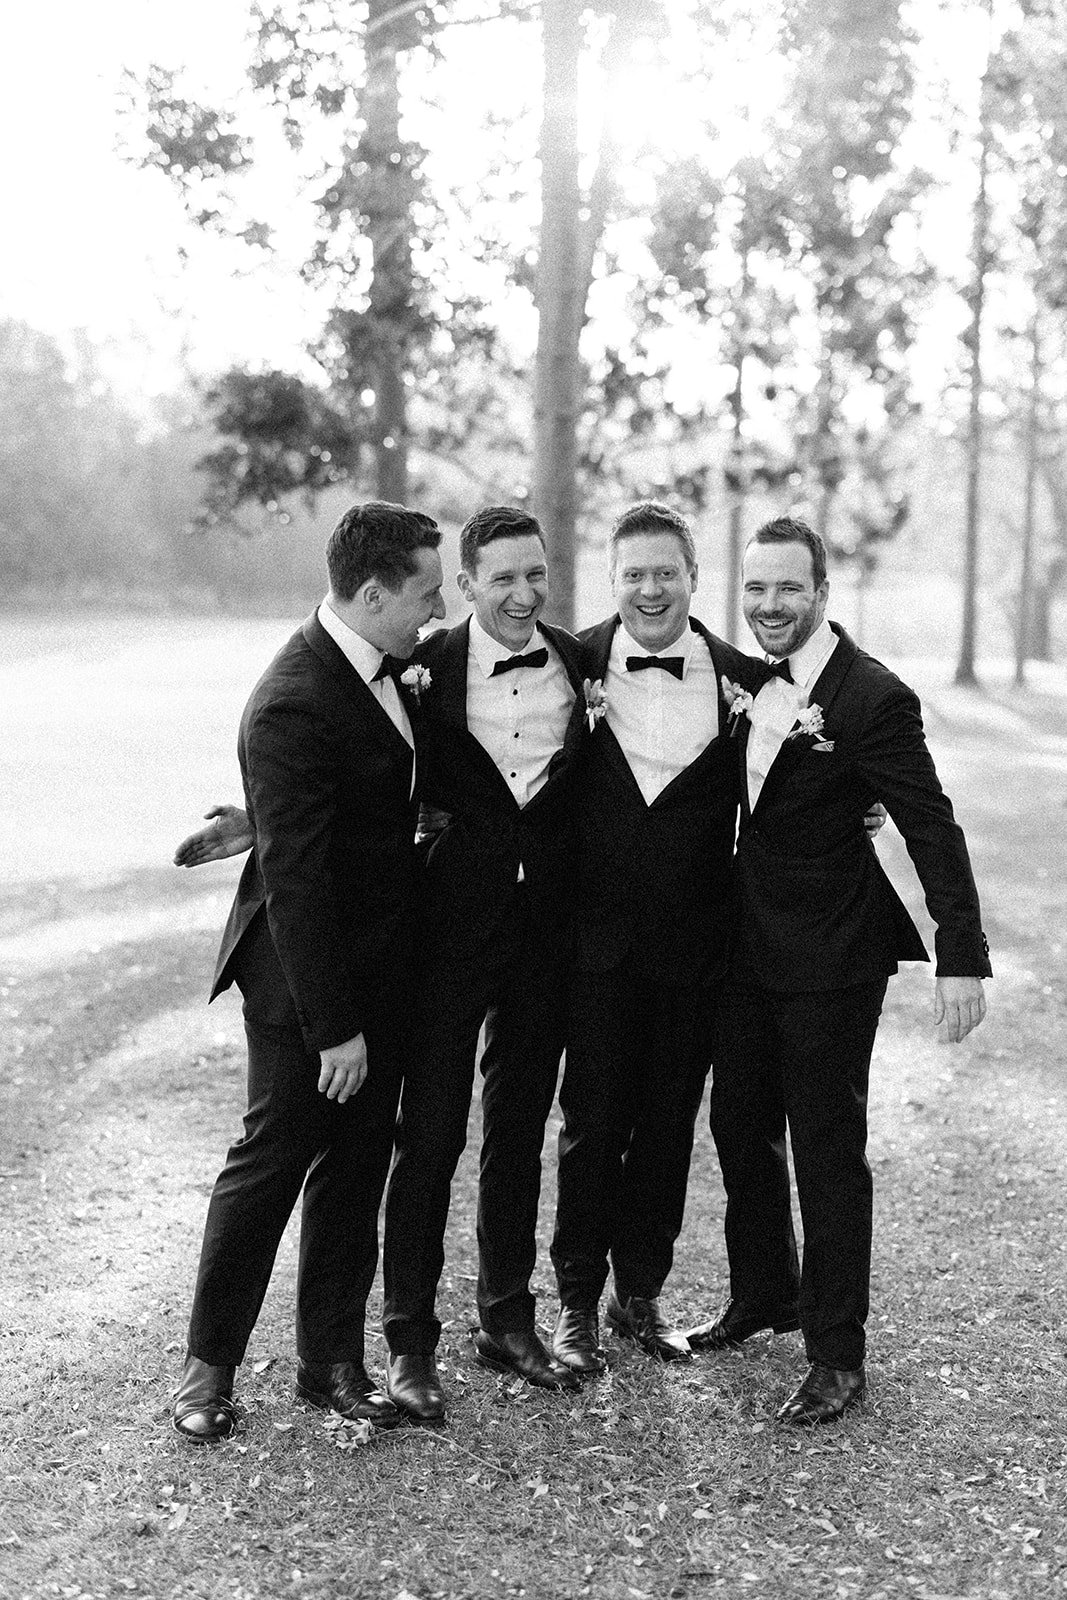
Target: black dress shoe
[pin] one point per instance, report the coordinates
(825, 1393)
(520, 1351)
(204, 1411)
(415, 1387)
(576, 1342)
(640, 1322)
(737, 1322)
(345, 1387)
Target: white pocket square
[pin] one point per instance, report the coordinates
(824, 748)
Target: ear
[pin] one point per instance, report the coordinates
(463, 584)
(370, 593)
(693, 580)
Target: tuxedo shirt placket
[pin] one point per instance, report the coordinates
(519, 718)
(778, 703)
(662, 723)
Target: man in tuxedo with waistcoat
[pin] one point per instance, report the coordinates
(655, 805)
(503, 718)
(320, 941)
(820, 932)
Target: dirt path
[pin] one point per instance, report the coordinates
(119, 1089)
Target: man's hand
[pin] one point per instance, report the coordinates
(959, 1003)
(344, 1067)
(228, 835)
(875, 819)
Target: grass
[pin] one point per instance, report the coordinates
(118, 1092)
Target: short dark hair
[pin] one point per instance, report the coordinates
(793, 530)
(650, 516)
(377, 540)
(494, 522)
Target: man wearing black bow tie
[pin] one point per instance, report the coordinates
(319, 941)
(656, 800)
(820, 931)
(503, 719)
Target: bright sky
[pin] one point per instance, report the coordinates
(91, 242)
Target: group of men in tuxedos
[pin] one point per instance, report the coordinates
(575, 886)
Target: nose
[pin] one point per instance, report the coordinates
(438, 608)
(650, 584)
(524, 594)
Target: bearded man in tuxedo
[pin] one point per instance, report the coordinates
(319, 941)
(820, 932)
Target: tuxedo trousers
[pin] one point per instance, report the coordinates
(296, 1139)
(802, 1062)
(517, 985)
(638, 1053)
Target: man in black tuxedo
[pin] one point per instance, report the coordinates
(503, 720)
(656, 799)
(319, 941)
(820, 932)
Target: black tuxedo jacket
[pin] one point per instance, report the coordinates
(327, 781)
(654, 881)
(816, 909)
(472, 864)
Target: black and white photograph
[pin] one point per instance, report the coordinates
(533, 852)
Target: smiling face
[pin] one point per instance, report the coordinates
(781, 602)
(652, 586)
(398, 614)
(508, 588)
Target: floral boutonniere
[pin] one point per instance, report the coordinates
(810, 726)
(596, 701)
(738, 701)
(416, 678)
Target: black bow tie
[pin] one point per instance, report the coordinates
(780, 669)
(534, 658)
(388, 667)
(673, 664)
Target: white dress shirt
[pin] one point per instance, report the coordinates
(366, 658)
(662, 723)
(776, 706)
(519, 717)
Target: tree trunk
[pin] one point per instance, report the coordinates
(825, 447)
(391, 280)
(965, 673)
(735, 526)
(560, 304)
(1033, 446)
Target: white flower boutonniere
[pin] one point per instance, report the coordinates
(810, 726)
(416, 678)
(596, 701)
(738, 701)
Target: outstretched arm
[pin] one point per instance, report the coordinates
(230, 834)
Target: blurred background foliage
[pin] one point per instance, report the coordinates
(708, 263)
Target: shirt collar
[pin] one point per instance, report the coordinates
(365, 657)
(806, 663)
(487, 651)
(623, 645)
